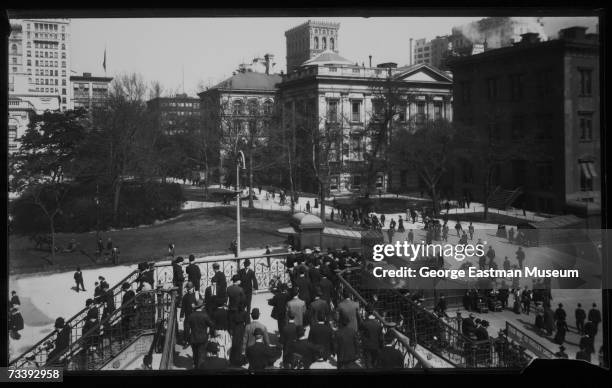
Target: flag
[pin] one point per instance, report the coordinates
(104, 63)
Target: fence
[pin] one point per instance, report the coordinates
(528, 342)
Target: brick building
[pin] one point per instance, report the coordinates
(546, 89)
(172, 112)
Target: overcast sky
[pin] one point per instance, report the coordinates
(210, 49)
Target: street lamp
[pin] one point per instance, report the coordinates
(240, 164)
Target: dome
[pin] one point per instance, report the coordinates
(303, 221)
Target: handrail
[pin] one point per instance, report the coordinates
(390, 326)
(167, 358)
(532, 344)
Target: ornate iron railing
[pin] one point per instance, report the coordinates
(167, 359)
(108, 338)
(425, 328)
(516, 334)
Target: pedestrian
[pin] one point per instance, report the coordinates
(297, 307)
(171, 249)
(193, 273)
(221, 283)
(595, 317)
(249, 336)
(128, 309)
(248, 282)
(390, 357)
(471, 231)
(100, 246)
(458, 228)
(307, 206)
(371, 338)
(188, 302)
(520, 257)
(61, 343)
(200, 325)
(177, 276)
(580, 316)
(491, 255)
(561, 330)
(78, 278)
(14, 299)
(561, 353)
(350, 310)
(259, 355)
(382, 220)
(15, 322)
(109, 244)
(511, 235)
(347, 345)
(279, 306)
(400, 225)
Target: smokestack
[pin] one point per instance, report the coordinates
(410, 54)
(370, 60)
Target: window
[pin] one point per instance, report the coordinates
(544, 82)
(545, 176)
(237, 107)
(64, 91)
(516, 87)
(237, 126)
(356, 111)
(420, 116)
(14, 70)
(333, 183)
(63, 100)
(29, 62)
(402, 112)
(378, 108)
(253, 107)
(438, 111)
(324, 43)
(331, 44)
(63, 46)
(332, 111)
(585, 81)
(544, 124)
(267, 107)
(316, 43)
(491, 88)
(587, 173)
(356, 146)
(63, 55)
(518, 124)
(356, 181)
(586, 126)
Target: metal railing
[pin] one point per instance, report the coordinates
(167, 358)
(516, 334)
(106, 339)
(442, 338)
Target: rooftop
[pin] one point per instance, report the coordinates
(328, 57)
(250, 81)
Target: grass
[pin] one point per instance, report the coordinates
(199, 232)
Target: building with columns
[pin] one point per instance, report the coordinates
(329, 92)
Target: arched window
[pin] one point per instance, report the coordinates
(268, 107)
(331, 44)
(316, 41)
(324, 43)
(237, 107)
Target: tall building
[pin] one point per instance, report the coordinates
(546, 89)
(330, 95)
(40, 48)
(172, 112)
(88, 91)
(309, 40)
(433, 52)
(422, 52)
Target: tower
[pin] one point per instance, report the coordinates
(310, 39)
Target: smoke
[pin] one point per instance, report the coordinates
(498, 32)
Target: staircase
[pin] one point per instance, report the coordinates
(502, 199)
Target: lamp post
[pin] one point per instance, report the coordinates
(239, 164)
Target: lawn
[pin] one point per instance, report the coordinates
(201, 232)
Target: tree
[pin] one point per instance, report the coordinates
(428, 149)
(44, 166)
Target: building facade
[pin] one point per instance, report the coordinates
(172, 112)
(88, 91)
(309, 40)
(233, 110)
(44, 55)
(422, 52)
(548, 91)
(330, 96)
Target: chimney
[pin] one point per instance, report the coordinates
(573, 33)
(269, 64)
(530, 38)
(370, 60)
(86, 74)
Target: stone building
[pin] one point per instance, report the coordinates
(545, 90)
(88, 91)
(309, 40)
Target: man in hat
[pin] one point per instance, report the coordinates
(468, 325)
(177, 275)
(580, 316)
(210, 296)
(128, 308)
(319, 306)
(193, 272)
(14, 299)
(303, 348)
(187, 304)
(200, 325)
(78, 278)
(560, 313)
(249, 332)
(15, 322)
(248, 282)
(304, 286)
(258, 354)
(212, 361)
(221, 282)
(322, 335)
(236, 300)
(287, 336)
(347, 344)
(89, 303)
(62, 339)
(371, 338)
(279, 306)
(594, 317)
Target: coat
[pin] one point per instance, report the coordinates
(221, 285)
(279, 306)
(371, 334)
(298, 308)
(307, 350)
(259, 356)
(322, 335)
(349, 309)
(346, 344)
(389, 357)
(305, 292)
(248, 281)
(177, 275)
(199, 325)
(193, 273)
(249, 337)
(187, 304)
(288, 334)
(317, 307)
(327, 288)
(236, 297)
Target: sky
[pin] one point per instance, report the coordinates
(208, 50)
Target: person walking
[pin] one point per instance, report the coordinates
(248, 282)
(580, 316)
(15, 322)
(287, 336)
(78, 278)
(390, 357)
(259, 355)
(561, 331)
(188, 303)
(471, 231)
(349, 309)
(520, 257)
(279, 306)
(248, 339)
(371, 338)
(200, 326)
(128, 309)
(347, 344)
(14, 299)
(236, 301)
(595, 317)
(178, 278)
(297, 307)
(193, 273)
(458, 228)
(221, 282)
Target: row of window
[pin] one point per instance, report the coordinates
(324, 43)
(45, 27)
(45, 36)
(378, 110)
(252, 107)
(45, 63)
(516, 85)
(50, 73)
(193, 105)
(39, 54)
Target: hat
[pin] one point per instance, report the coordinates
(59, 323)
(561, 348)
(216, 266)
(191, 257)
(189, 285)
(125, 286)
(235, 278)
(247, 262)
(179, 259)
(198, 303)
